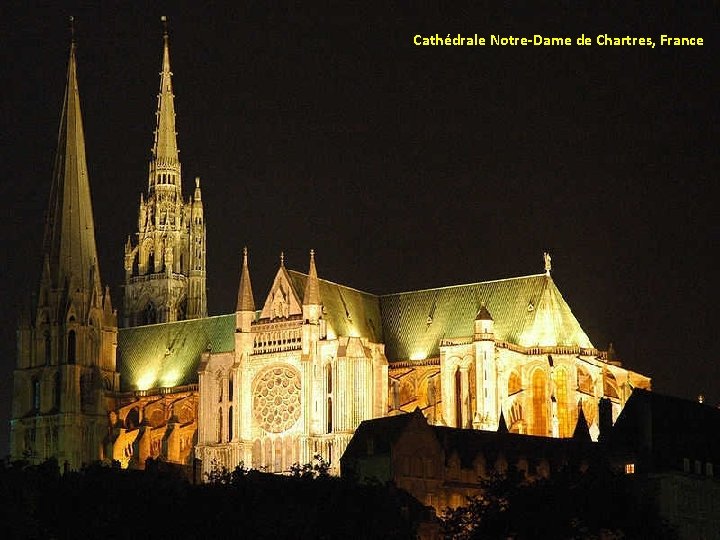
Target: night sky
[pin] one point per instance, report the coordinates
(404, 167)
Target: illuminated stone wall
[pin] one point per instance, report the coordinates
(290, 390)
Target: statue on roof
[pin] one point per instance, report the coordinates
(548, 265)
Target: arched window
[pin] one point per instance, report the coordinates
(565, 407)
(149, 315)
(48, 348)
(71, 347)
(132, 420)
(230, 387)
(540, 403)
(584, 381)
(182, 310)
(329, 415)
(514, 384)
(36, 395)
(219, 426)
(256, 454)
(328, 384)
(56, 391)
(610, 386)
(230, 424)
(458, 399)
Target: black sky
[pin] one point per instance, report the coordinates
(404, 167)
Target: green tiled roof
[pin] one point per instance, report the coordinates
(168, 354)
(527, 311)
(348, 312)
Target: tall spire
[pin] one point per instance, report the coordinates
(69, 231)
(170, 250)
(245, 301)
(312, 286)
(165, 158)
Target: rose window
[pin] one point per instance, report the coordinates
(276, 401)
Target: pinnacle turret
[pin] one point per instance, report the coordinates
(312, 286)
(245, 300)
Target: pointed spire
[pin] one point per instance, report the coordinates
(197, 195)
(483, 314)
(165, 150)
(282, 259)
(312, 286)
(245, 301)
(69, 241)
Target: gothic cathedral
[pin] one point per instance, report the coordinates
(275, 384)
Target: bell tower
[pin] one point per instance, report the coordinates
(165, 266)
(67, 340)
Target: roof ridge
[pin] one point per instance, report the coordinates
(464, 285)
(303, 274)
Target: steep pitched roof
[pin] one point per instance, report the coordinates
(348, 312)
(168, 354)
(528, 311)
(69, 240)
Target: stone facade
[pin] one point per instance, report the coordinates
(289, 390)
(67, 341)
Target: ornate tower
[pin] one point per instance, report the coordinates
(66, 344)
(165, 267)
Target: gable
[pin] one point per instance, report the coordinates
(283, 300)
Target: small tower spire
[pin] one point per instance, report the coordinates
(165, 165)
(312, 308)
(312, 286)
(245, 300)
(171, 247)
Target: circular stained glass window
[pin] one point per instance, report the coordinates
(276, 398)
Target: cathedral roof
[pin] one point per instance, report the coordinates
(528, 311)
(347, 311)
(162, 355)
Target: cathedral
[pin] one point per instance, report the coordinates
(279, 381)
